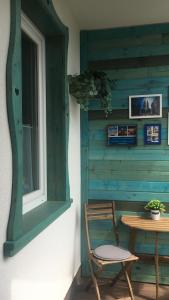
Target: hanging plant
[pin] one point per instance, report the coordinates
(92, 85)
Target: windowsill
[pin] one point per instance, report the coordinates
(34, 222)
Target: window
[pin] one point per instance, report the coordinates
(37, 65)
(33, 115)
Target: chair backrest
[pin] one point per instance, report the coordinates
(100, 211)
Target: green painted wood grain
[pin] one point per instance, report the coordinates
(134, 82)
(135, 166)
(84, 156)
(123, 32)
(126, 52)
(131, 153)
(130, 174)
(132, 86)
(137, 73)
(95, 125)
(118, 114)
(133, 208)
(56, 37)
(145, 40)
(14, 109)
(120, 99)
(127, 196)
(100, 144)
(128, 184)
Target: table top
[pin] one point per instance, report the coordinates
(146, 224)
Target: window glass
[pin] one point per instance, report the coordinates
(33, 115)
(30, 118)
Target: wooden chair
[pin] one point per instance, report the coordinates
(105, 255)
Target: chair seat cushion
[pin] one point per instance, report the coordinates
(110, 252)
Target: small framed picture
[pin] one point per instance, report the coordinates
(145, 106)
(152, 134)
(121, 135)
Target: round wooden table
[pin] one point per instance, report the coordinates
(142, 223)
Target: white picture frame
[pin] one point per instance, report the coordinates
(145, 106)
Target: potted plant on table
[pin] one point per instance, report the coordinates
(155, 207)
(92, 84)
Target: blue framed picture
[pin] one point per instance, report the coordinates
(121, 135)
(152, 134)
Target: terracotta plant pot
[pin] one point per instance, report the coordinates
(155, 214)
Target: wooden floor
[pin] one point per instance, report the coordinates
(142, 291)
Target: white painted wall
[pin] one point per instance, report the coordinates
(94, 14)
(45, 268)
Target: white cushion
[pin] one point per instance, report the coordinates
(110, 252)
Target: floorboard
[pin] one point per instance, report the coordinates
(142, 291)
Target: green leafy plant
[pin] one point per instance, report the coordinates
(155, 205)
(92, 84)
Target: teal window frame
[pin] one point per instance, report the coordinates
(21, 228)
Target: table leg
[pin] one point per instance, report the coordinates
(156, 264)
(132, 242)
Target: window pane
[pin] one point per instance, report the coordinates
(30, 115)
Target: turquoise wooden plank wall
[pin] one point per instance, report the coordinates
(127, 173)
(122, 173)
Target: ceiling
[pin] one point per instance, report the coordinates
(96, 14)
